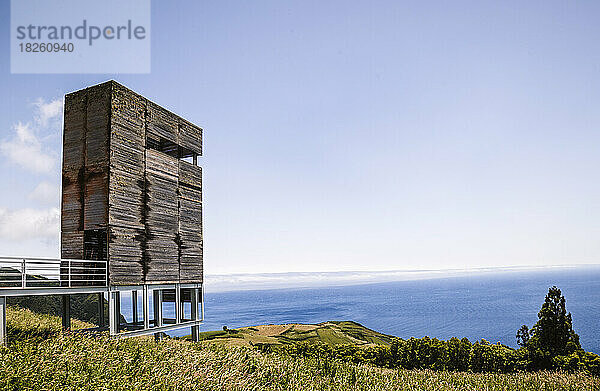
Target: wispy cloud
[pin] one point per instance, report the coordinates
(29, 223)
(47, 112)
(26, 148)
(46, 193)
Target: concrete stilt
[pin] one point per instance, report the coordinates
(146, 308)
(158, 316)
(178, 306)
(195, 329)
(114, 312)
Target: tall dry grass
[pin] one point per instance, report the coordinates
(67, 361)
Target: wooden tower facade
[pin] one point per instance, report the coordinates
(131, 187)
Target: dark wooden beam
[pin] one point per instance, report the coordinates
(101, 321)
(66, 312)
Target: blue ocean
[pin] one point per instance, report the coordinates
(490, 306)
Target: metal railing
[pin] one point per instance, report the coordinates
(47, 272)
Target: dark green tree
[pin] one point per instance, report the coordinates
(523, 336)
(553, 333)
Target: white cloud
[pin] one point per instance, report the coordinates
(25, 147)
(46, 112)
(21, 224)
(46, 193)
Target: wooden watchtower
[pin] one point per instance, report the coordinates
(131, 219)
(132, 190)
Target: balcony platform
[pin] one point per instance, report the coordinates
(21, 277)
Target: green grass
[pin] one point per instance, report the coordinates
(332, 333)
(22, 324)
(84, 307)
(67, 361)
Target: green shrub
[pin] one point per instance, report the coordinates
(451, 355)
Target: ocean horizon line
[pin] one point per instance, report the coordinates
(284, 280)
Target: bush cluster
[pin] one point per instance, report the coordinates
(452, 355)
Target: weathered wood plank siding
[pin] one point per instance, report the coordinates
(190, 136)
(162, 218)
(75, 112)
(71, 245)
(95, 212)
(126, 197)
(161, 123)
(122, 173)
(190, 222)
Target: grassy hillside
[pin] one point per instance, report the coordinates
(331, 333)
(84, 307)
(68, 361)
(24, 325)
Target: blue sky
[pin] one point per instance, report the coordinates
(353, 135)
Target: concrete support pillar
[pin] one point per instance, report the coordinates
(201, 298)
(178, 305)
(66, 312)
(158, 304)
(114, 312)
(3, 336)
(146, 308)
(112, 329)
(195, 329)
(158, 317)
(101, 321)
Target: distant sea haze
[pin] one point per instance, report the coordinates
(489, 305)
(259, 281)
